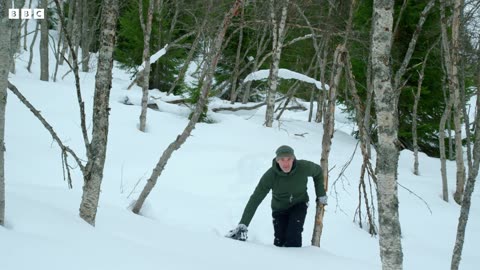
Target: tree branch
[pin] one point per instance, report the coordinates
(77, 79)
(65, 149)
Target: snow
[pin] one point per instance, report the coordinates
(201, 193)
(284, 74)
(155, 57)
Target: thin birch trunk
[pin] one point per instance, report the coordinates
(77, 26)
(278, 35)
(451, 47)
(318, 59)
(322, 95)
(75, 68)
(443, 162)
(290, 94)
(262, 46)
(387, 153)
(445, 119)
(86, 37)
(236, 69)
(368, 105)
(397, 83)
(5, 59)
(147, 31)
(467, 197)
(69, 29)
(175, 145)
(59, 55)
(323, 66)
(189, 59)
(30, 58)
(416, 97)
(328, 129)
(363, 135)
(25, 26)
(103, 83)
(44, 73)
(15, 36)
(159, 6)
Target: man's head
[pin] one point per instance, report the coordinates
(285, 157)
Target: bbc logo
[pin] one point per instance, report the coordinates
(26, 13)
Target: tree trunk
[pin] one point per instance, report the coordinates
(457, 105)
(467, 197)
(329, 117)
(190, 55)
(30, 58)
(86, 37)
(278, 37)
(323, 93)
(451, 47)
(25, 29)
(44, 74)
(5, 59)
(397, 82)
(261, 47)
(147, 30)
(363, 135)
(326, 46)
(69, 31)
(103, 83)
(175, 145)
(328, 129)
(387, 153)
(77, 26)
(236, 69)
(15, 36)
(416, 97)
(443, 162)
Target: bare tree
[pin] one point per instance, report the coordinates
(96, 149)
(44, 74)
(30, 58)
(67, 29)
(190, 55)
(238, 59)
(5, 59)
(103, 84)
(86, 36)
(25, 29)
(386, 105)
(416, 101)
(472, 176)
(363, 136)
(209, 72)
(147, 31)
(450, 46)
(262, 42)
(278, 34)
(328, 129)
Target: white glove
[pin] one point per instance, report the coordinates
(323, 200)
(239, 233)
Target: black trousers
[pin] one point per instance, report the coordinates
(288, 225)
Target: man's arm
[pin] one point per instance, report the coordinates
(257, 197)
(317, 174)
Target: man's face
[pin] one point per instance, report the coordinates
(285, 163)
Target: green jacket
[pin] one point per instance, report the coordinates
(287, 188)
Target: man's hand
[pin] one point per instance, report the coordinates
(322, 200)
(239, 233)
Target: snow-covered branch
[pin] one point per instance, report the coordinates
(154, 58)
(284, 74)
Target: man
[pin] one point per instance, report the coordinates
(287, 178)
